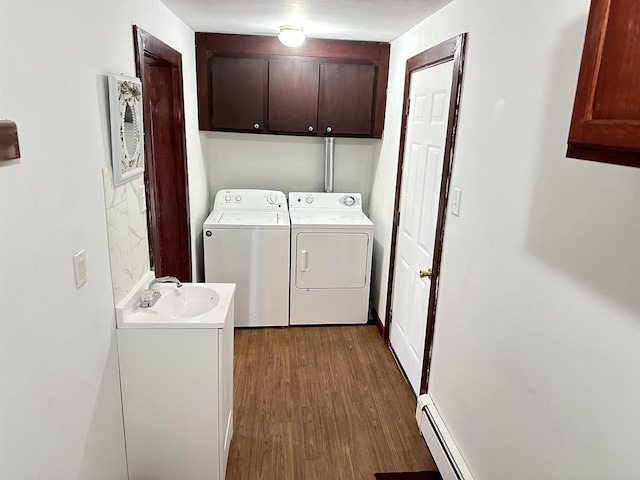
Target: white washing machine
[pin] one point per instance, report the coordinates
(246, 242)
(331, 246)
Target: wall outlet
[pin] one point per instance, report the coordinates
(80, 267)
(456, 197)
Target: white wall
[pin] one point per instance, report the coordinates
(287, 163)
(60, 412)
(536, 365)
(197, 166)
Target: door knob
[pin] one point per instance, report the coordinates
(328, 129)
(311, 128)
(426, 273)
(256, 126)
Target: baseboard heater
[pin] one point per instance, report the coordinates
(443, 450)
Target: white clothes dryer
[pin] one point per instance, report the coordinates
(331, 248)
(246, 242)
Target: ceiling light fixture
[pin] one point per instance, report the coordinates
(291, 36)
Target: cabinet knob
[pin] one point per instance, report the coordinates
(256, 126)
(328, 129)
(310, 128)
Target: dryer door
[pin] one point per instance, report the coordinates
(331, 260)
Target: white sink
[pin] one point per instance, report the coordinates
(194, 305)
(190, 300)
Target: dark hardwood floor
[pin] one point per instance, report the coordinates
(320, 403)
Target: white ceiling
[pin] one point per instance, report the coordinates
(370, 20)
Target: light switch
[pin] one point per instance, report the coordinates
(80, 267)
(142, 199)
(456, 196)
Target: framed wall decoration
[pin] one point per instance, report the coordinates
(127, 134)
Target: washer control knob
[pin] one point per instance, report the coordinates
(349, 201)
(271, 199)
(309, 200)
(238, 198)
(227, 197)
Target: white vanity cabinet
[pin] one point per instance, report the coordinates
(177, 397)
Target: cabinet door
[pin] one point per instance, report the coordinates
(293, 96)
(606, 115)
(238, 93)
(346, 98)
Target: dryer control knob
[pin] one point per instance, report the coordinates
(271, 199)
(309, 200)
(349, 201)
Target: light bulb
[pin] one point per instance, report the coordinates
(291, 36)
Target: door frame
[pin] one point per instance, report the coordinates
(146, 45)
(452, 49)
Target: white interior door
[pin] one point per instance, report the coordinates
(429, 94)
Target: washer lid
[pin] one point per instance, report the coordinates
(248, 218)
(329, 218)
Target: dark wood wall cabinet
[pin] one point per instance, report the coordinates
(9, 147)
(322, 88)
(606, 116)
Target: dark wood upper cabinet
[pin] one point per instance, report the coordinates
(346, 98)
(293, 96)
(323, 84)
(606, 116)
(238, 92)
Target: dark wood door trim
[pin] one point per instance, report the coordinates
(454, 50)
(152, 50)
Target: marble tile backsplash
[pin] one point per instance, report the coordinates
(127, 232)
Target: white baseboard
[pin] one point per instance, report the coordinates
(441, 445)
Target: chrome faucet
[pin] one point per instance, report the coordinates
(167, 279)
(151, 295)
